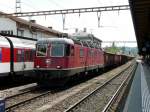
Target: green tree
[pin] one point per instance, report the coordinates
(113, 49)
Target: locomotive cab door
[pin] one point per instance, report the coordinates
(69, 55)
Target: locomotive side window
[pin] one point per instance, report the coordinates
(41, 50)
(72, 51)
(0, 54)
(95, 53)
(57, 50)
(81, 52)
(89, 52)
(92, 52)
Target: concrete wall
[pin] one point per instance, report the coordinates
(7, 25)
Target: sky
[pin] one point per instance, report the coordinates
(114, 25)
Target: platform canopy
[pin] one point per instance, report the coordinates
(140, 10)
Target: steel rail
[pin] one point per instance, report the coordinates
(98, 88)
(109, 104)
(31, 89)
(24, 102)
(9, 97)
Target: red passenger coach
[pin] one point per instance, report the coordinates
(16, 56)
(58, 58)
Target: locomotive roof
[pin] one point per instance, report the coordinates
(69, 41)
(85, 36)
(55, 40)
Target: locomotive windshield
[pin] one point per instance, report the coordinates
(57, 50)
(41, 50)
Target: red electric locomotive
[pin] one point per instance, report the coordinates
(58, 58)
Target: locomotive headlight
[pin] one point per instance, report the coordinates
(47, 61)
(58, 67)
(38, 66)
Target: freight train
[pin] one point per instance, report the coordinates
(58, 59)
(16, 55)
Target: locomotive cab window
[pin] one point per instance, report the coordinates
(41, 50)
(57, 50)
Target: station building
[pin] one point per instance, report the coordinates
(20, 27)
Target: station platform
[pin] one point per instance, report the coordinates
(138, 99)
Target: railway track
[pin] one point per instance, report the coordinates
(85, 103)
(22, 98)
(17, 90)
(116, 98)
(32, 100)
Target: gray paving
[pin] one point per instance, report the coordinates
(139, 96)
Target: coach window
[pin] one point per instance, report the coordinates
(23, 56)
(32, 54)
(81, 52)
(57, 50)
(28, 55)
(0, 54)
(41, 50)
(19, 56)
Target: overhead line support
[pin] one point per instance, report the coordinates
(71, 11)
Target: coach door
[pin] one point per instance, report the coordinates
(23, 60)
(20, 65)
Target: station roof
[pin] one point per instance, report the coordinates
(140, 10)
